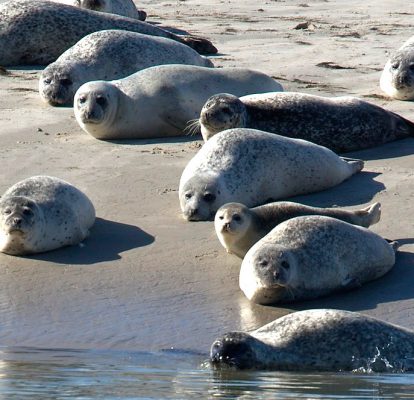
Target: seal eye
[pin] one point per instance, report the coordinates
(411, 67)
(263, 263)
(7, 211)
(66, 82)
(188, 196)
(82, 99)
(47, 81)
(27, 211)
(221, 217)
(237, 217)
(101, 100)
(395, 65)
(209, 197)
(285, 265)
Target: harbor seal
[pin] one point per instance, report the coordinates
(253, 167)
(397, 78)
(341, 124)
(158, 101)
(318, 340)
(239, 227)
(312, 256)
(43, 213)
(107, 55)
(37, 32)
(125, 8)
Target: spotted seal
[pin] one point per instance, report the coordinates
(158, 101)
(107, 55)
(341, 124)
(39, 31)
(239, 227)
(252, 167)
(311, 256)
(318, 340)
(397, 78)
(43, 213)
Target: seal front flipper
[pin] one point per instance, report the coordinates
(351, 283)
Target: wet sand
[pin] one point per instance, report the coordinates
(146, 279)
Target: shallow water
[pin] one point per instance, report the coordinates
(62, 374)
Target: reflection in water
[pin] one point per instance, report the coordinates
(68, 374)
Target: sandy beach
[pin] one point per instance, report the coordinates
(146, 279)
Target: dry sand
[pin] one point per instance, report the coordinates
(146, 279)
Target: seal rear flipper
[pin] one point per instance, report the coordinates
(369, 215)
(394, 244)
(404, 127)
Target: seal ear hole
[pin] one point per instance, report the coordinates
(209, 197)
(285, 265)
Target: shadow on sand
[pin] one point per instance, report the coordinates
(108, 239)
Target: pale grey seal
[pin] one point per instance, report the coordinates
(397, 78)
(39, 31)
(43, 213)
(253, 167)
(239, 227)
(318, 340)
(107, 55)
(158, 101)
(341, 124)
(312, 256)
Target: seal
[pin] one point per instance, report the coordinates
(254, 167)
(318, 340)
(43, 213)
(312, 256)
(341, 124)
(158, 101)
(37, 32)
(108, 55)
(397, 78)
(239, 227)
(125, 8)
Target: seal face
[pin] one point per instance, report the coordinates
(251, 167)
(341, 124)
(318, 340)
(397, 78)
(109, 55)
(312, 256)
(43, 213)
(37, 32)
(239, 227)
(159, 101)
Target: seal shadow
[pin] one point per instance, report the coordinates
(108, 239)
(161, 140)
(394, 286)
(398, 148)
(358, 189)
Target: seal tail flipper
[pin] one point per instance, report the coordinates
(369, 215)
(394, 244)
(355, 164)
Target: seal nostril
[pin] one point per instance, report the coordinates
(17, 221)
(276, 275)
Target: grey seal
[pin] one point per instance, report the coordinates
(397, 78)
(318, 340)
(312, 256)
(43, 213)
(108, 55)
(239, 227)
(158, 101)
(254, 167)
(342, 124)
(37, 32)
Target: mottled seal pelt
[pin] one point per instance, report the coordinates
(108, 55)
(397, 78)
(158, 101)
(341, 124)
(125, 8)
(318, 340)
(39, 31)
(239, 227)
(312, 256)
(43, 213)
(253, 167)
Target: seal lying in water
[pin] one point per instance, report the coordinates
(312, 256)
(253, 167)
(37, 32)
(158, 101)
(341, 124)
(107, 55)
(397, 78)
(239, 227)
(43, 213)
(318, 340)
